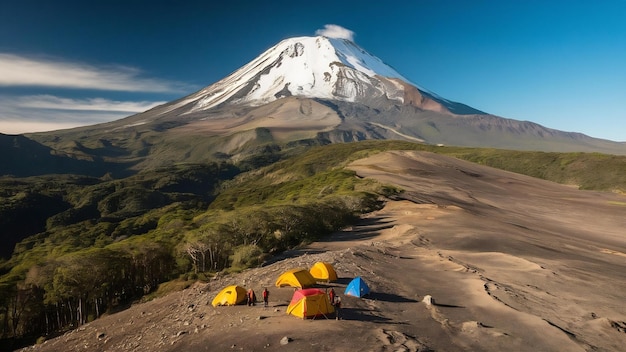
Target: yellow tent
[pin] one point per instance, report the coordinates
(230, 296)
(300, 278)
(310, 303)
(323, 271)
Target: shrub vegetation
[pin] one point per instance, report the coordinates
(101, 243)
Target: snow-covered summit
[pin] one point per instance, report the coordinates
(354, 56)
(313, 67)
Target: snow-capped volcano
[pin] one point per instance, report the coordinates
(318, 67)
(305, 91)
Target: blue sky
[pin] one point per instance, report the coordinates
(559, 63)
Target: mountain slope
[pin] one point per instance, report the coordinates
(313, 89)
(22, 157)
(467, 236)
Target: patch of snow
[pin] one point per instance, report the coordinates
(178, 105)
(359, 59)
(136, 124)
(398, 132)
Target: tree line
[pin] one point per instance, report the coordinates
(66, 291)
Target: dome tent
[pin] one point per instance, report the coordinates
(310, 303)
(299, 278)
(323, 271)
(357, 288)
(229, 296)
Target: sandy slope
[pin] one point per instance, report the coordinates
(511, 263)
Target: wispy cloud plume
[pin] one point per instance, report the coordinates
(60, 123)
(39, 113)
(90, 104)
(335, 31)
(18, 70)
(36, 113)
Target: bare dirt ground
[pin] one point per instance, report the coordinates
(470, 258)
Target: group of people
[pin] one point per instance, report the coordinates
(334, 299)
(252, 297)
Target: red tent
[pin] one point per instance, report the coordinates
(310, 302)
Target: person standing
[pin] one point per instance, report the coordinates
(251, 297)
(337, 307)
(331, 296)
(266, 297)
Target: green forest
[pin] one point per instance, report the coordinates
(96, 245)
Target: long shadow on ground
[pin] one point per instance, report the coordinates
(368, 228)
(361, 314)
(389, 297)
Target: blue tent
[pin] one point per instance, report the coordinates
(357, 287)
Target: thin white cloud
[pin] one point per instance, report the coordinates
(21, 127)
(89, 104)
(40, 113)
(335, 31)
(18, 70)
